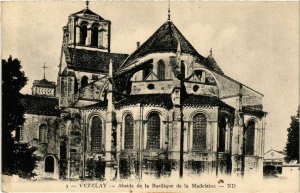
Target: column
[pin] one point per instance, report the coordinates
(88, 40)
(77, 35)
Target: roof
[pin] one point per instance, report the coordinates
(211, 63)
(44, 83)
(163, 100)
(201, 100)
(253, 111)
(87, 11)
(281, 152)
(99, 105)
(166, 39)
(40, 105)
(93, 61)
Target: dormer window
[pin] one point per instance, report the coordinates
(83, 34)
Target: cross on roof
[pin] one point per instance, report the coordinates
(44, 70)
(87, 4)
(169, 10)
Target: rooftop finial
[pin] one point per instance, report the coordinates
(169, 11)
(44, 70)
(210, 51)
(87, 4)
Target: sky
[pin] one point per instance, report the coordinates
(256, 43)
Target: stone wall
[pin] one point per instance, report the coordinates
(49, 147)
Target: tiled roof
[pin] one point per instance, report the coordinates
(99, 105)
(87, 11)
(200, 100)
(40, 105)
(163, 100)
(253, 111)
(166, 101)
(93, 61)
(165, 39)
(44, 83)
(211, 63)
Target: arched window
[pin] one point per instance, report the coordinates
(153, 132)
(49, 164)
(222, 133)
(249, 138)
(161, 67)
(128, 134)
(96, 134)
(182, 69)
(199, 132)
(95, 36)
(84, 81)
(43, 133)
(83, 34)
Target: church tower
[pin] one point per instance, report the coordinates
(87, 29)
(43, 87)
(85, 55)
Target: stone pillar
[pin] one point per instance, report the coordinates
(237, 144)
(214, 128)
(77, 36)
(176, 133)
(88, 40)
(108, 129)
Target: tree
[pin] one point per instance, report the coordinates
(17, 158)
(292, 144)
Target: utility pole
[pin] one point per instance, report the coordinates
(181, 126)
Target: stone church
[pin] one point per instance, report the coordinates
(119, 116)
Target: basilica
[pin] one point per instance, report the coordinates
(162, 108)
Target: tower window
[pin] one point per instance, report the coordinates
(49, 164)
(94, 36)
(199, 132)
(83, 34)
(153, 131)
(96, 134)
(43, 133)
(161, 70)
(128, 136)
(249, 138)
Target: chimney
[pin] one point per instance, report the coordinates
(138, 45)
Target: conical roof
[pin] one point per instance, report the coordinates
(164, 40)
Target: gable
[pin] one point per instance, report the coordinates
(272, 154)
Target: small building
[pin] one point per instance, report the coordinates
(273, 160)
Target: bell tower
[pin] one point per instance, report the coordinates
(88, 30)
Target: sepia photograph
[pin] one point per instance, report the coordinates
(150, 96)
